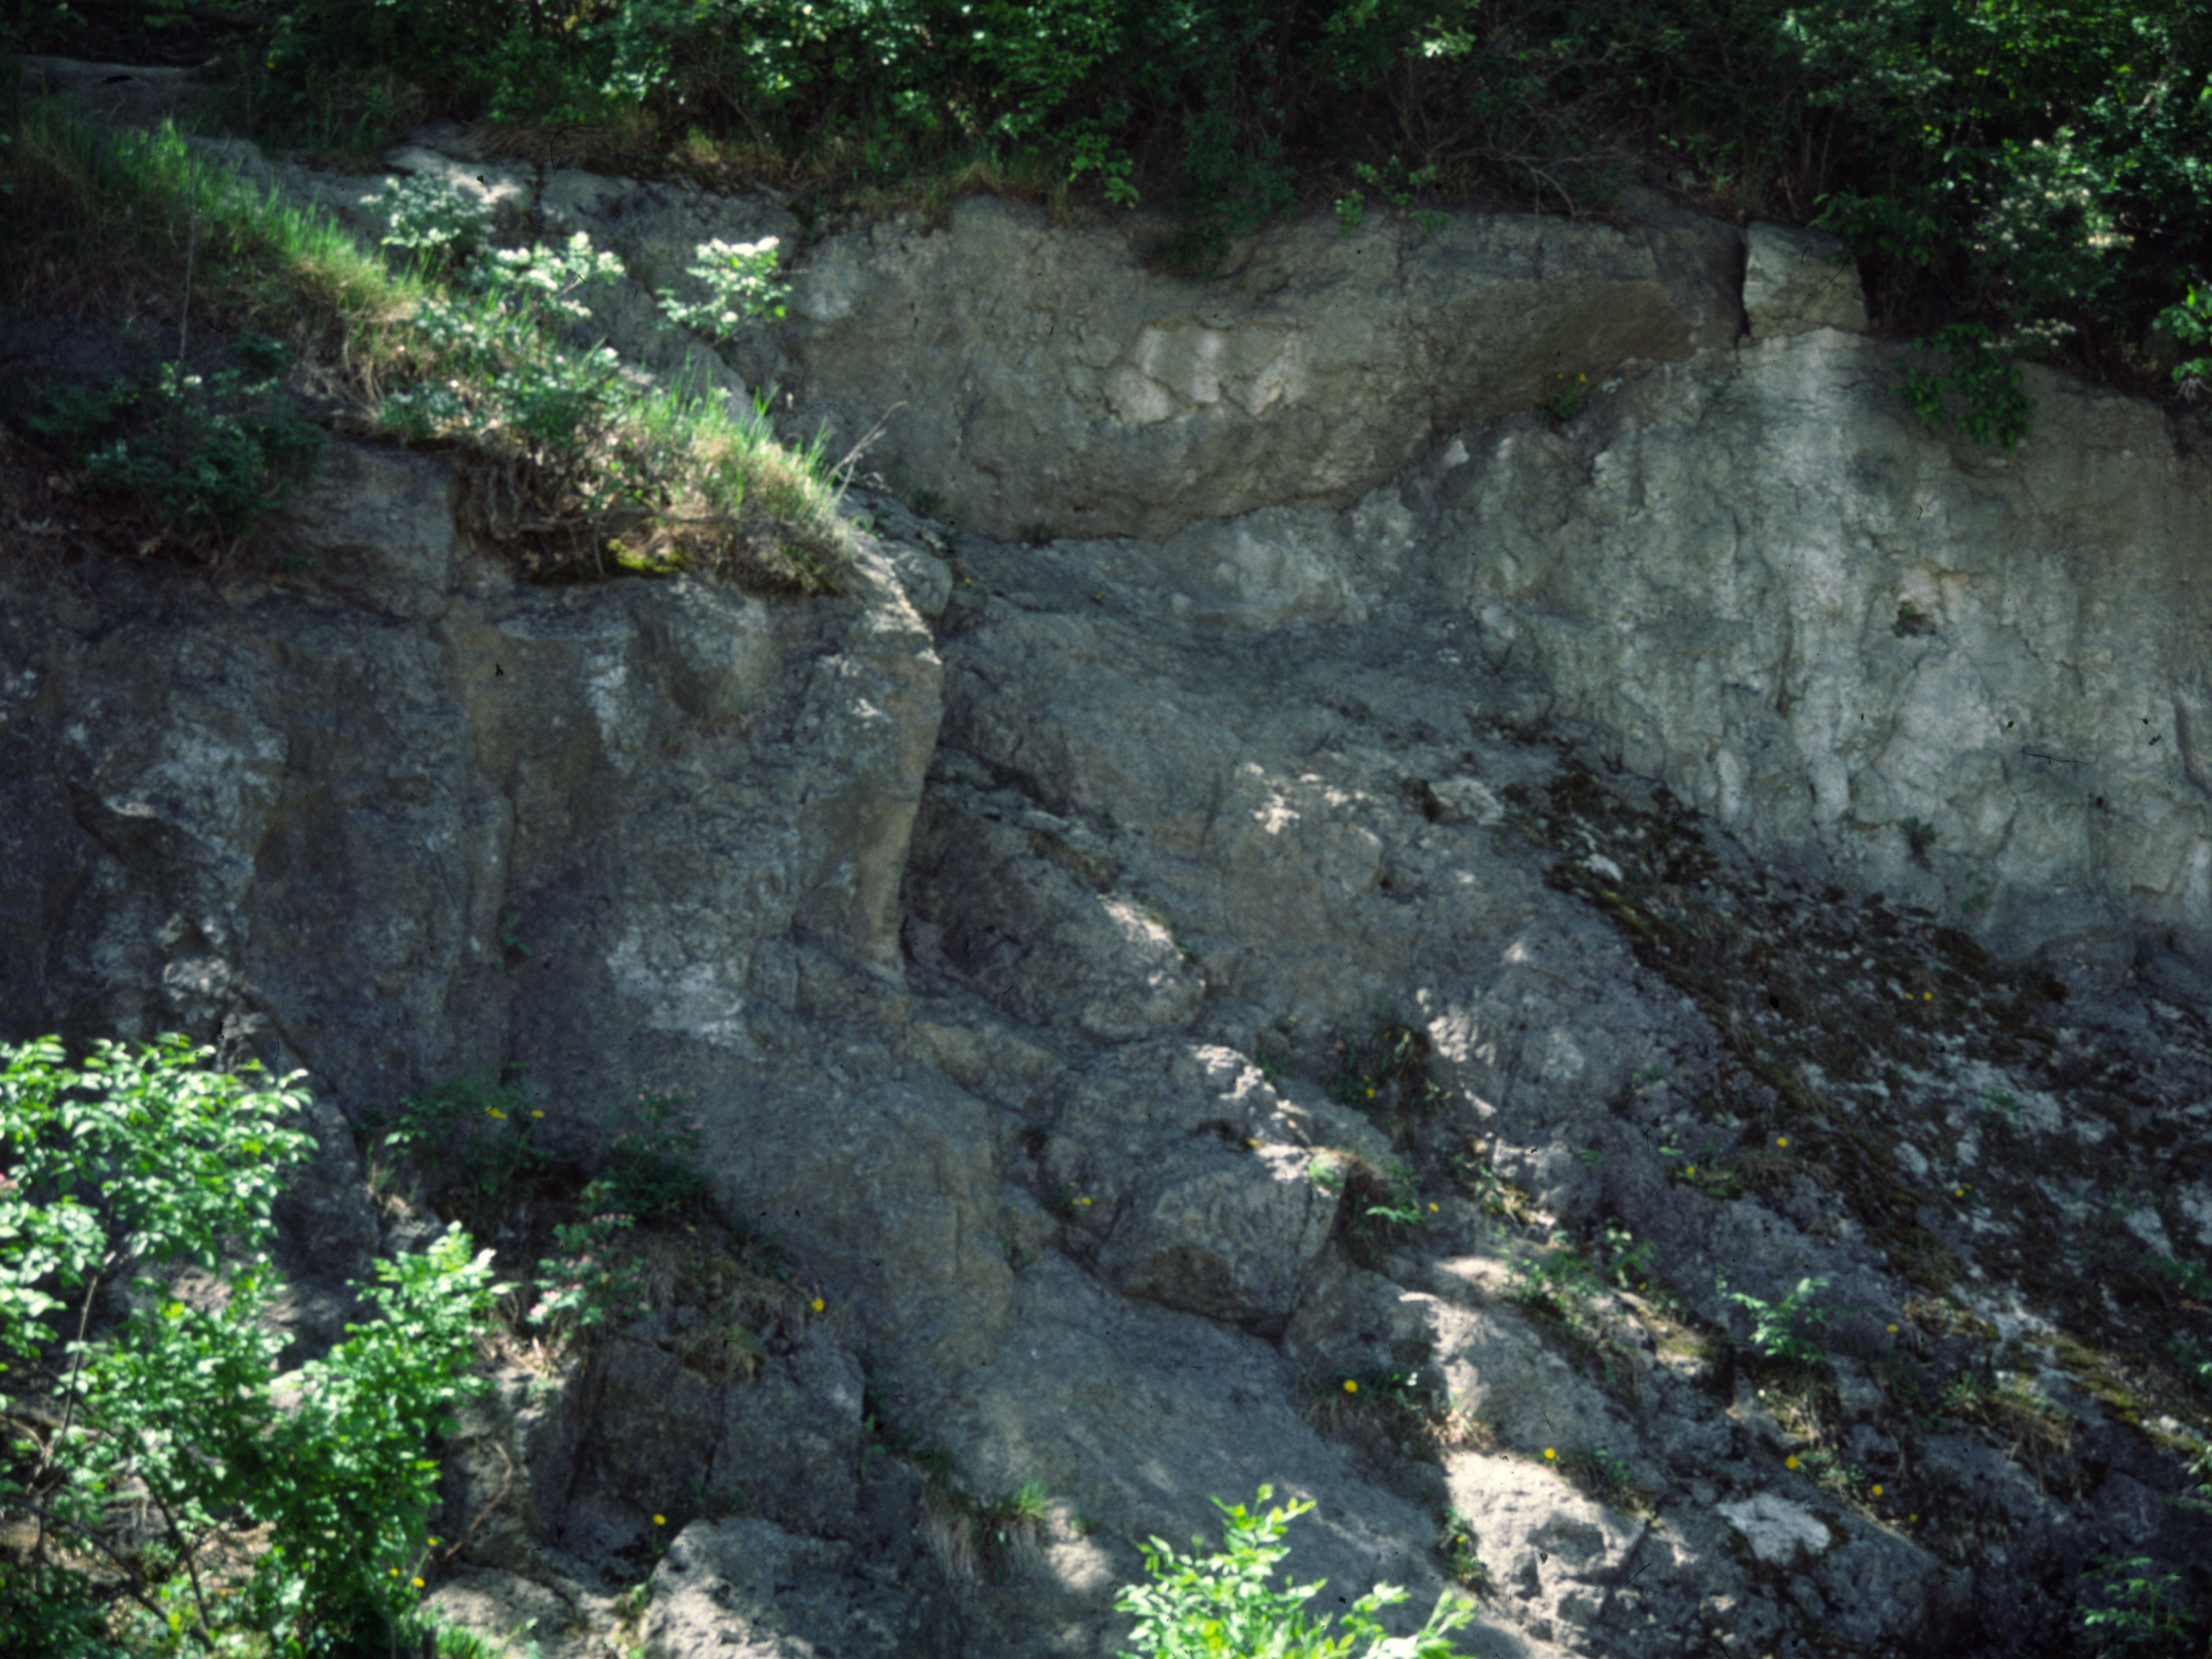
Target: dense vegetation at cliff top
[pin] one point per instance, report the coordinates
(2042, 167)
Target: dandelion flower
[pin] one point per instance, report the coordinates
(494, 1112)
(432, 1542)
(1782, 1140)
(660, 1520)
(1911, 1518)
(1370, 1094)
(1350, 1386)
(1431, 1208)
(538, 1114)
(1084, 1201)
(1789, 1462)
(817, 1304)
(1550, 1455)
(1928, 996)
(1893, 1330)
(395, 1572)
(418, 1584)
(1878, 1489)
(1689, 1169)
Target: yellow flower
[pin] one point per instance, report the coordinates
(1689, 1169)
(1958, 1191)
(432, 1542)
(1789, 1462)
(395, 1572)
(538, 1114)
(817, 1304)
(1550, 1456)
(1782, 1140)
(1351, 1387)
(1909, 1518)
(1893, 1330)
(660, 1520)
(1928, 996)
(1370, 1094)
(494, 1112)
(418, 1584)
(1082, 1201)
(1878, 1489)
(1432, 1208)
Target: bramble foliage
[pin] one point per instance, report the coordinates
(1221, 1606)
(287, 1508)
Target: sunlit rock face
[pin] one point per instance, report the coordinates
(1028, 375)
(1170, 988)
(1967, 677)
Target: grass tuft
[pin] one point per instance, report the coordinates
(572, 465)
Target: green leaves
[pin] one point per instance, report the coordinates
(1785, 1330)
(141, 1156)
(146, 1158)
(1222, 1607)
(739, 281)
(1978, 391)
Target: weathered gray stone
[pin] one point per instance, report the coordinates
(746, 1589)
(1778, 1532)
(1204, 816)
(1131, 403)
(1796, 280)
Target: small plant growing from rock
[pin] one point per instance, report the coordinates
(1462, 1553)
(1920, 839)
(1223, 1602)
(2128, 1605)
(1784, 1331)
(427, 217)
(1628, 1260)
(1911, 621)
(202, 455)
(1564, 401)
(740, 284)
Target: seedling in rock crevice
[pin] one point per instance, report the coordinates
(1783, 1331)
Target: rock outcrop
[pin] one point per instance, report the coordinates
(1242, 997)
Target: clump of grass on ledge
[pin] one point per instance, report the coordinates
(574, 464)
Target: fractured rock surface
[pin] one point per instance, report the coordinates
(1274, 1000)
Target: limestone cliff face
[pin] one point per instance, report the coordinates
(1742, 567)
(1022, 927)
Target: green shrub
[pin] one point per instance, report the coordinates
(1222, 1604)
(2127, 1604)
(1786, 1330)
(1977, 390)
(290, 1505)
(572, 463)
(654, 1171)
(204, 456)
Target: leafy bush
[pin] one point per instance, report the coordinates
(1786, 1330)
(2037, 169)
(1222, 1604)
(574, 465)
(2128, 1604)
(202, 455)
(289, 1505)
(1978, 391)
(739, 281)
